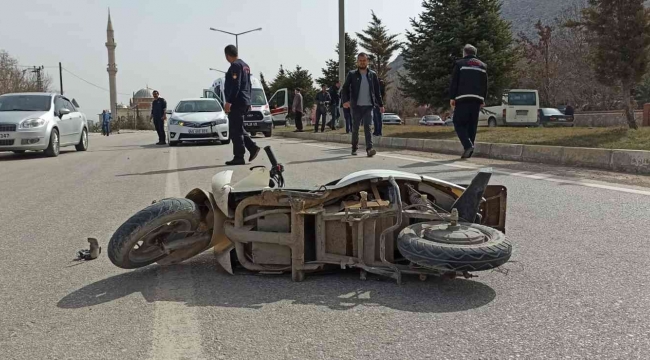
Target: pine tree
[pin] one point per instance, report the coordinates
(379, 45)
(437, 39)
(331, 70)
(265, 86)
(619, 34)
(291, 80)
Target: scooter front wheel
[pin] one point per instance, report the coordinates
(138, 242)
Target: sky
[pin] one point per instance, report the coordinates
(167, 45)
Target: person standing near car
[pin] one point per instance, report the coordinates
(297, 108)
(334, 106)
(361, 94)
(159, 115)
(323, 100)
(237, 91)
(468, 91)
(106, 123)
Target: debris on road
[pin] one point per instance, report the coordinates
(91, 253)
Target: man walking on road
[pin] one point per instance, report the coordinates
(468, 91)
(361, 94)
(322, 101)
(297, 109)
(106, 123)
(159, 115)
(334, 108)
(237, 90)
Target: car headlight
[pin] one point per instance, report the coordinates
(32, 123)
(266, 113)
(175, 122)
(220, 121)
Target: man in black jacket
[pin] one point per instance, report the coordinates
(468, 91)
(323, 100)
(361, 93)
(237, 90)
(334, 105)
(159, 115)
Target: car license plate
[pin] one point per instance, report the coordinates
(561, 119)
(198, 131)
(250, 124)
(4, 136)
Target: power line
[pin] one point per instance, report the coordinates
(89, 83)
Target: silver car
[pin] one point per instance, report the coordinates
(41, 122)
(391, 119)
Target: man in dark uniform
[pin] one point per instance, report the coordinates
(159, 115)
(468, 91)
(323, 100)
(334, 105)
(237, 91)
(377, 118)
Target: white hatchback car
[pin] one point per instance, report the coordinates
(41, 122)
(200, 119)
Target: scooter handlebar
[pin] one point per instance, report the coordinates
(271, 155)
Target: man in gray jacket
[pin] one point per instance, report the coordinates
(297, 109)
(361, 93)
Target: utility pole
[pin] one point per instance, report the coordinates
(61, 77)
(39, 80)
(342, 41)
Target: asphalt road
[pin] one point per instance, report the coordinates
(577, 287)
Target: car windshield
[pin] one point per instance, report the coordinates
(552, 112)
(258, 98)
(25, 103)
(433, 117)
(191, 106)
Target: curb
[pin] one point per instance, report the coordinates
(629, 161)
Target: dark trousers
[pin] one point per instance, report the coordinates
(320, 113)
(241, 139)
(160, 129)
(361, 114)
(348, 120)
(334, 109)
(298, 116)
(466, 122)
(377, 120)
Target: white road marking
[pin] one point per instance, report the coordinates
(176, 332)
(528, 175)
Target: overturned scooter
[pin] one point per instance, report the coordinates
(379, 221)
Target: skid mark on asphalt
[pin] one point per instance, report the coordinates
(527, 175)
(176, 327)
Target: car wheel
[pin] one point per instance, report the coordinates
(54, 147)
(492, 122)
(83, 142)
(19, 151)
(268, 134)
(225, 142)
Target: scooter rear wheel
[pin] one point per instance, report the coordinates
(466, 247)
(137, 242)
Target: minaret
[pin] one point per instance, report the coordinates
(112, 68)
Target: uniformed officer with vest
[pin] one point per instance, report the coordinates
(237, 91)
(468, 91)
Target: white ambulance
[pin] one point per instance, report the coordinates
(263, 114)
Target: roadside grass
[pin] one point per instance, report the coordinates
(604, 138)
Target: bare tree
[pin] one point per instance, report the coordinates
(14, 79)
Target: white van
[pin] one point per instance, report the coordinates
(263, 114)
(519, 108)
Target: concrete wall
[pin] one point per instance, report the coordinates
(605, 119)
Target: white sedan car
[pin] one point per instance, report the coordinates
(432, 120)
(200, 119)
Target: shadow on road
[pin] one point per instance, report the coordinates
(336, 158)
(340, 291)
(30, 155)
(431, 163)
(159, 172)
